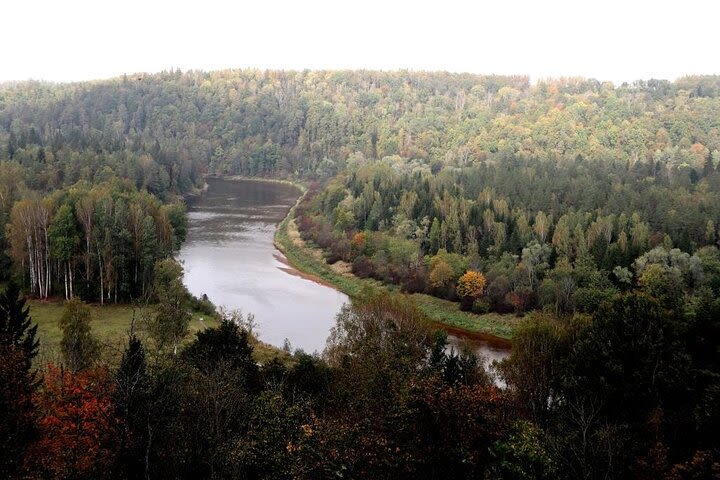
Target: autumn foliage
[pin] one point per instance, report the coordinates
(76, 424)
(441, 274)
(470, 287)
(358, 242)
(471, 284)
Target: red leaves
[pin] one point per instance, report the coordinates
(76, 423)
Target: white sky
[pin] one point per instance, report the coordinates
(618, 40)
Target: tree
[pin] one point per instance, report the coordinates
(172, 317)
(177, 216)
(79, 346)
(227, 345)
(630, 355)
(85, 209)
(131, 403)
(77, 425)
(18, 419)
(276, 427)
(524, 454)
(470, 287)
(18, 347)
(358, 243)
(227, 379)
(28, 234)
(663, 283)
(63, 241)
(434, 236)
(379, 339)
(16, 329)
(535, 259)
(541, 226)
(441, 274)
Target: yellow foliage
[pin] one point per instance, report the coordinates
(441, 274)
(471, 284)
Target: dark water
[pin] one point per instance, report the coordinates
(229, 255)
(491, 349)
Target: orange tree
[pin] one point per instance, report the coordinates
(470, 287)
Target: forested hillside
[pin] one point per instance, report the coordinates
(631, 163)
(163, 131)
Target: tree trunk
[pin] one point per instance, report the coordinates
(87, 261)
(48, 282)
(102, 296)
(147, 450)
(31, 265)
(66, 282)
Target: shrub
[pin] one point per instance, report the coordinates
(363, 267)
(480, 306)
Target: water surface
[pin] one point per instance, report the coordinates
(229, 255)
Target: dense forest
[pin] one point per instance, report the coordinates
(572, 147)
(550, 236)
(590, 209)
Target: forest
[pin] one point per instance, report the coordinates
(589, 210)
(629, 393)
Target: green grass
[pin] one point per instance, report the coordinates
(305, 259)
(449, 313)
(111, 325)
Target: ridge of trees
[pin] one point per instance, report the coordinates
(164, 131)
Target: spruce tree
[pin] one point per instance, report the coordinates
(18, 346)
(16, 329)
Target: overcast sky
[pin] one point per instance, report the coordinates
(604, 39)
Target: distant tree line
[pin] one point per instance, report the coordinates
(164, 131)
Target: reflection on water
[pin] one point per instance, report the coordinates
(491, 350)
(229, 255)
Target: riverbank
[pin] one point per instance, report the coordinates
(309, 260)
(195, 193)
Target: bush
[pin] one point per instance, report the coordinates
(480, 306)
(333, 258)
(415, 281)
(363, 267)
(339, 249)
(203, 305)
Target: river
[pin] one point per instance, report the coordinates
(229, 255)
